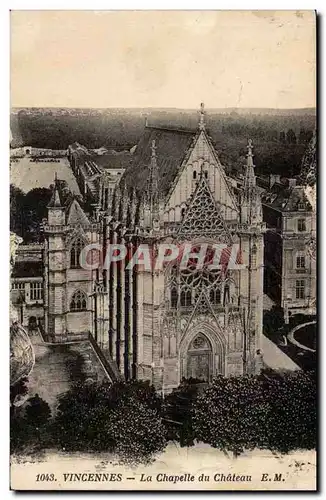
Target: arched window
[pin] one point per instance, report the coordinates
(206, 174)
(226, 295)
(185, 298)
(174, 298)
(76, 248)
(182, 212)
(194, 174)
(215, 296)
(200, 342)
(78, 301)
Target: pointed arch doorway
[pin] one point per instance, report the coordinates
(199, 364)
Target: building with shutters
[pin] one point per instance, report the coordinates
(290, 240)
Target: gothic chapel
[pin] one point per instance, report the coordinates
(165, 325)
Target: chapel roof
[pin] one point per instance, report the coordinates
(171, 148)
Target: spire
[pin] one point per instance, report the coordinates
(250, 155)
(202, 117)
(250, 178)
(153, 169)
(55, 199)
(152, 190)
(251, 200)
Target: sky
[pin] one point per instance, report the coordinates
(173, 59)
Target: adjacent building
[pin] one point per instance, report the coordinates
(27, 285)
(290, 241)
(290, 276)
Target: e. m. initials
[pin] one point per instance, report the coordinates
(267, 477)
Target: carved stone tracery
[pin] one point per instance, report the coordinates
(203, 217)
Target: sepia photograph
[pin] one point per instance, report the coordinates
(163, 255)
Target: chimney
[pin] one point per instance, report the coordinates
(292, 183)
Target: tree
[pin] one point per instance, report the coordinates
(17, 430)
(291, 137)
(272, 410)
(282, 137)
(136, 431)
(38, 412)
(302, 136)
(16, 210)
(229, 414)
(273, 321)
(123, 418)
(29, 425)
(291, 419)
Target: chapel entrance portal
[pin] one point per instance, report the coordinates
(199, 358)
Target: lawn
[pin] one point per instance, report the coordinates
(28, 175)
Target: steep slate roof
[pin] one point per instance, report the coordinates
(28, 269)
(113, 159)
(171, 148)
(286, 199)
(76, 215)
(55, 198)
(297, 195)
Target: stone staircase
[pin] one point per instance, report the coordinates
(58, 366)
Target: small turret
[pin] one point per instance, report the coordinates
(250, 178)
(56, 212)
(251, 210)
(55, 199)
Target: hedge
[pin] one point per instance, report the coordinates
(274, 411)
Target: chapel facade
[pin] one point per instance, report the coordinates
(168, 324)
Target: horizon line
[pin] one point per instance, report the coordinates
(159, 107)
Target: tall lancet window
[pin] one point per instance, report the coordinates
(174, 298)
(226, 299)
(75, 250)
(215, 296)
(185, 298)
(78, 301)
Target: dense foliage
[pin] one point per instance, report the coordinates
(29, 425)
(123, 418)
(291, 420)
(280, 139)
(274, 411)
(27, 211)
(273, 321)
(228, 414)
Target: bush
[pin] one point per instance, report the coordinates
(121, 417)
(29, 425)
(274, 411)
(291, 420)
(18, 390)
(38, 412)
(177, 412)
(135, 430)
(273, 321)
(228, 414)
